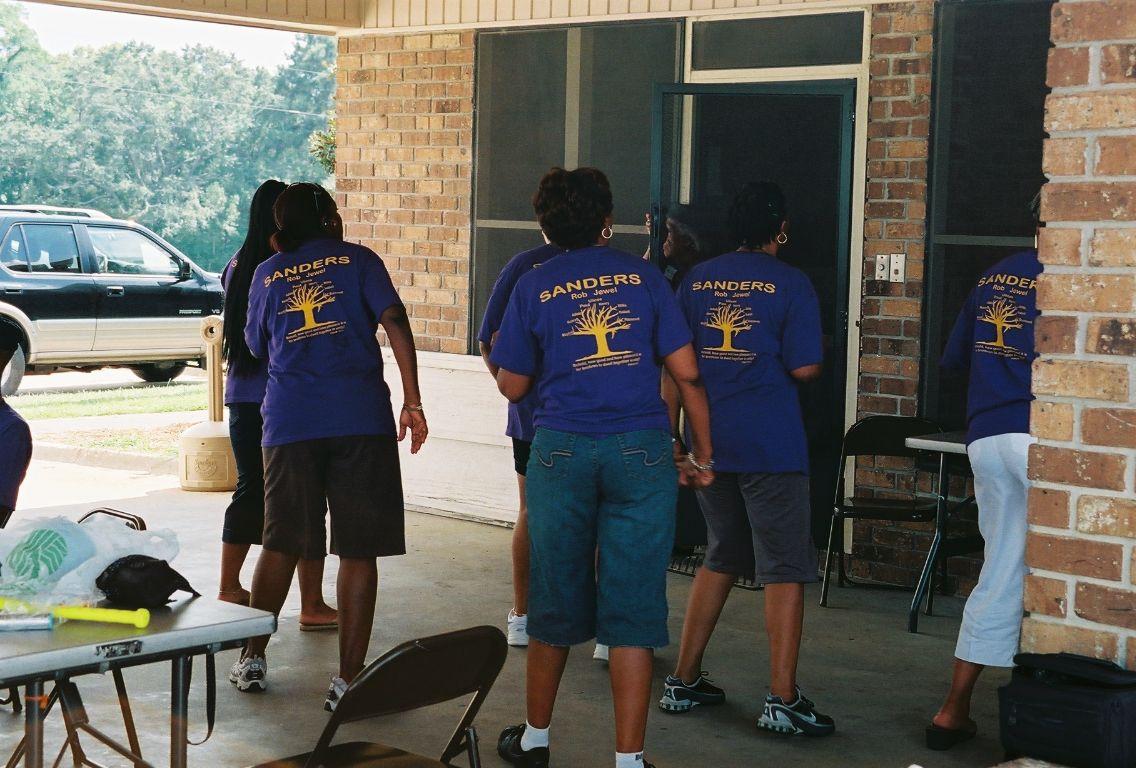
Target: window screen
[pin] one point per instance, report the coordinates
(570, 97)
(786, 41)
(986, 164)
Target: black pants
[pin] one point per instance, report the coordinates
(244, 519)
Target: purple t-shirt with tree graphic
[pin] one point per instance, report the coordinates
(755, 318)
(993, 338)
(314, 313)
(593, 326)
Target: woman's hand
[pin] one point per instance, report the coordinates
(415, 421)
(700, 476)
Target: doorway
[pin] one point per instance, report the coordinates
(708, 142)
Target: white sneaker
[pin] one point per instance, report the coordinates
(250, 674)
(518, 630)
(334, 693)
(601, 652)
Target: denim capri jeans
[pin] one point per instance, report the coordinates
(605, 498)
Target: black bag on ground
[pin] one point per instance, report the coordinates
(1070, 709)
(140, 581)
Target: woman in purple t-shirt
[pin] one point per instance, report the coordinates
(245, 380)
(330, 445)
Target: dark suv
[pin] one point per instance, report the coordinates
(89, 291)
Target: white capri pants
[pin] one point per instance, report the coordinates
(992, 620)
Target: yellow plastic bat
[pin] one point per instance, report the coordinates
(138, 618)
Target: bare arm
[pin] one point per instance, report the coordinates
(682, 368)
(674, 405)
(397, 327)
(486, 349)
(806, 373)
(514, 386)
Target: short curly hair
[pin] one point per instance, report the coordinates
(573, 206)
(757, 214)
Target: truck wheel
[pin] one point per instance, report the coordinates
(11, 376)
(159, 372)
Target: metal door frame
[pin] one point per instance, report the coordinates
(848, 271)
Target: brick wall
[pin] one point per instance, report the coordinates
(403, 168)
(1082, 591)
(895, 221)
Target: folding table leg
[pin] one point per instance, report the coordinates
(76, 720)
(926, 576)
(22, 745)
(179, 711)
(127, 714)
(33, 724)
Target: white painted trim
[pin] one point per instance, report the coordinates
(314, 27)
(788, 9)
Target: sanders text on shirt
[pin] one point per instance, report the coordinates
(301, 269)
(576, 288)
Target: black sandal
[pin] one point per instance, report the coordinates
(940, 739)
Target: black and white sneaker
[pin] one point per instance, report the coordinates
(683, 697)
(250, 674)
(509, 748)
(795, 717)
(334, 693)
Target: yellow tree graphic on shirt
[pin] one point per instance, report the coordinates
(601, 321)
(1004, 314)
(731, 319)
(309, 298)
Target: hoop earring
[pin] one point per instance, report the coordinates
(606, 233)
(782, 238)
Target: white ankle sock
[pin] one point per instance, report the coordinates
(533, 737)
(629, 759)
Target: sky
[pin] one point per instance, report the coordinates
(62, 29)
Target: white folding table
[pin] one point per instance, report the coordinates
(177, 633)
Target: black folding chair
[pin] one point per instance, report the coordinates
(416, 674)
(873, 436)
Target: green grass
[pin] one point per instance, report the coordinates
(164, 398)
(154, 441)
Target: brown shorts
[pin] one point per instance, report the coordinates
(356, 479)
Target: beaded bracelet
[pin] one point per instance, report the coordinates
(700, 467)
(413, 408)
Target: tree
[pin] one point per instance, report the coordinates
(321, 146)
(731, 319)
(1004, 314)
(177, 141)
(309, 298)
(600, 320)
(304, 88)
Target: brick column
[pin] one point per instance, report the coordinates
(895, 221)
(404, 152)
(1081, 594)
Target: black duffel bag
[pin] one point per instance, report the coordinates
(1070, 709)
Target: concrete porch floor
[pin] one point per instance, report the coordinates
(880, 683)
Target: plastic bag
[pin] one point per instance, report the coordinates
(56, 560)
